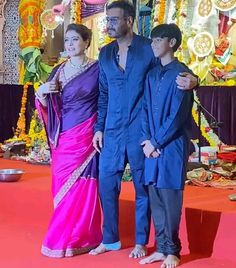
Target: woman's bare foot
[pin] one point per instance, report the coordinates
(138, 252)
(154, 257)
(98, 250)
(171, 261)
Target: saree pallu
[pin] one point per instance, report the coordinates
(75, 226)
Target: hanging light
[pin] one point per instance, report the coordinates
(50, 21)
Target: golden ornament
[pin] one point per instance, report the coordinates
(224, 5)
(203, 44)
(204, 8)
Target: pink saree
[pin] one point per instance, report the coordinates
(75, 226)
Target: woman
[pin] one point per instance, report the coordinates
(67, 103)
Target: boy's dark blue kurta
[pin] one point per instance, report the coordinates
(166, 122)
(120, 103)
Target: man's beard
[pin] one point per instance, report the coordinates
(117, 33)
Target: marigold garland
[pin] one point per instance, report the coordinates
(189, 17)
(75, 13)
(178, 7)
(167, 9)
(21, 123)
(21, 68)
(37, 132)
(206, 130)
(183, 12)
(170, 13)
(159, 12)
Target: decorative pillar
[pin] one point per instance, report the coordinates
(2, 22)
(30, 30)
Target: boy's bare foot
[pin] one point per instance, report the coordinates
(154, 257)
(171, 261)
(138, 252)
(98, 250)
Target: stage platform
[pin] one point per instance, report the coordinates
(207, 230)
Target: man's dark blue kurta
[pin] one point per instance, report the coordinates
(166, 121)
(119, 118)
(120, 103)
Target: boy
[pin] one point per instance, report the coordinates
(166, 124)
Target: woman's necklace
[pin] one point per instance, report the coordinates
(79, 66)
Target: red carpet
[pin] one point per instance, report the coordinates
(208, 229)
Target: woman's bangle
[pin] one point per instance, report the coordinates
(39, 97)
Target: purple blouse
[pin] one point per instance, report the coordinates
(77, 101)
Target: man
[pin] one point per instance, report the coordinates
(124, 64)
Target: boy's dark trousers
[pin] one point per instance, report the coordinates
(166, 207)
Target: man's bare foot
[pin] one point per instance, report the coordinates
(98, 250)
(138, 252)
(171, 261)
(154, 257)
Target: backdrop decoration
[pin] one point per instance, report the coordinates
(159, 12)
(224, 5)
(35, 69)
(203, 44)
(30, 30)
(20, 132)
(206, 130)
(204, 8)
(50, 21)
(75, 13)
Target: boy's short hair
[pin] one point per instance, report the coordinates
(126, 6)
(170, 31)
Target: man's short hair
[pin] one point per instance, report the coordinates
(170, 31)
(126, 6)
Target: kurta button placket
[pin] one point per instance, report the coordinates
(125, 90)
